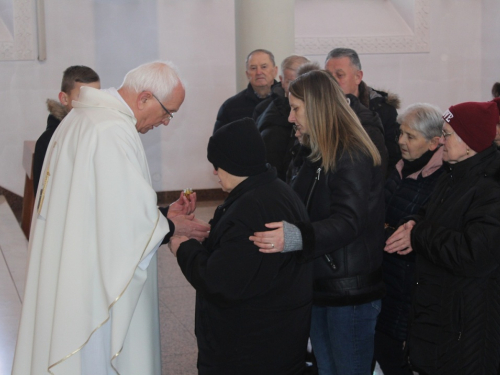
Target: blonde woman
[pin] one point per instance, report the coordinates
(341, 184)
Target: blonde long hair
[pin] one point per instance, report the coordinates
(333, 126)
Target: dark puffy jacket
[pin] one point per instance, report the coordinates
(455, 319)
(276, 92)
(278, 134)
(252, 309)
(240, 106)
(403, 197)
(57, 113)
(346, 208)
(386, 106)
(372, 125)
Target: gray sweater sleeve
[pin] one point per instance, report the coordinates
(293, 237)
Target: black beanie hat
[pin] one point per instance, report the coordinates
(238, 148)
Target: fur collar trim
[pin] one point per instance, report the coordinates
(56, 109)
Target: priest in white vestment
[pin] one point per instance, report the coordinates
(91, 300)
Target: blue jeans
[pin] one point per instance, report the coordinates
(343, 338)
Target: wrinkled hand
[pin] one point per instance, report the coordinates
(189, 226)
(182, 206)
(175, 242)
(272, 241)
(400, 241)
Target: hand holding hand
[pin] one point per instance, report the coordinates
(189, 226)
(400, 241)
(175, 242)
(182, 206)
(272, 241)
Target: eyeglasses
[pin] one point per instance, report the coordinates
(170, 115)
(446, 135)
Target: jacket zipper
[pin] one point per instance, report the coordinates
(316, 179)
(328, 258)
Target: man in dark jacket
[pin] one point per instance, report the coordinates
(74, 78)
(272, 121)
(261, 72)
(252, 310)
(373, 126)
(345, 66)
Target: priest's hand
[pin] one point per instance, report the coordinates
(182, 206)
(400, 241)
(189, 226)
(272, 241)
(175, 242)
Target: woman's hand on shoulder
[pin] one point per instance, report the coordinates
(272, 241)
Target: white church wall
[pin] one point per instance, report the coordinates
(25, 85)
(199, 37)
(450, 72)
(113, 36)
(490, 46)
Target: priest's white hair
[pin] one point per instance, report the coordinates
(159, 77)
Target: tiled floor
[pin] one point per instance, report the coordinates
(176, 298)
(14, 253)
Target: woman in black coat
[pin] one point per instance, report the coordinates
(455, 318)
(341, 183)
(252, 310)
(407, 189)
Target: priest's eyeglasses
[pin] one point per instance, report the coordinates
(170, 115)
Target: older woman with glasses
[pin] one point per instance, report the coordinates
(407, 189)
(455, 316)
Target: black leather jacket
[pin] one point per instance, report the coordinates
(346, 234)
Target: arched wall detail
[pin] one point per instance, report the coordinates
(417, 42)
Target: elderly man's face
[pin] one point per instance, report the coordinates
(346, 74)
(288, 76)
(261, 71)
(155, 115)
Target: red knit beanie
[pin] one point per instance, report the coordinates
(474, 122)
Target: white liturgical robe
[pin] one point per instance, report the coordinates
(92, 284)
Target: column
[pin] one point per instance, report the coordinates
(268, 24)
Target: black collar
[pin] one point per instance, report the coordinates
(472, 166)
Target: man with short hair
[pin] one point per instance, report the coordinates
(272, 123)
(261, 72)
(91, 302)
(74, 77)
(345, 66)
